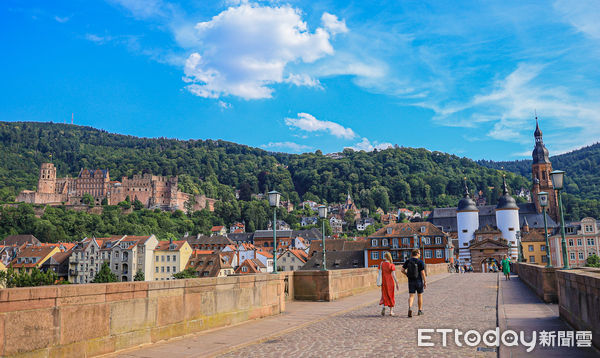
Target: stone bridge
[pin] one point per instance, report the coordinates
(308, 314)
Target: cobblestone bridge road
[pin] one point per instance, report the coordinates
(466, 301)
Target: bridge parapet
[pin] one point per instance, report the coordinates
(540, 279)
(579, 300)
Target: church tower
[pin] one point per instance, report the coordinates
(540, 174)
(47, 179)
(467, 217)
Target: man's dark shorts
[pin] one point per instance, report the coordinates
(415, 286)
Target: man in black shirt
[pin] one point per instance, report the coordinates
(414, 269)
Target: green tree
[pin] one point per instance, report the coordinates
(105, 275)
(593, 261)
(187, 273)
(137, 205)
(21, 278)
(104, 202)
(87, 199)
(139, 276)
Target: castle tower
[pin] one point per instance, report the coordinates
(47, 179)
(540, 175)
(467, 216)
(507, 220)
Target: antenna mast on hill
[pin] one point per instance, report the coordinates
(71, 117)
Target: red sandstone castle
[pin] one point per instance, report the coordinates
(153, 191)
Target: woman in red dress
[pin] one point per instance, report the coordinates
(388, 282)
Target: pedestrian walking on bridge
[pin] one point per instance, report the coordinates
(388, 282)
(414, 269)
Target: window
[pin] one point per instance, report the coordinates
(416, 242)
(174, 258)
(427, 254)
(530, 248)
(572, 255)
(374, 242)
(570, 242)
(162, 269)
(394, 255)
(543, 247)
(438, 240)
(439, 254)
(168, 268)
(579, 243)
(590, 241)
(423, 228)
(162, 258)
(389, 230)
(589, 228)
(465, 230)
(394, 242)
(544, 258)
(405, 241)
(427, 240)
(532, 259)
(511, 229)
(173, 269)
(581, 255)
(157, 258)
(384, 242)
(374, 255)
(156, 269)
(168, 258)
(117, 267)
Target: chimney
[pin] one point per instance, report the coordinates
(170, 241)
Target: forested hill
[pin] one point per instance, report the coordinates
(582, 167)
(389, 178)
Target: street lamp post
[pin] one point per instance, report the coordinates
(274, 197)
(557, 178)
(543, 200)
(323, 216)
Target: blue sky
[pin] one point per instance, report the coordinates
(296, 76)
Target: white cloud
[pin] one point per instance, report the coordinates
(224, 105)
(309, 123)
(143, 9)
(97, 38)
(303, 80)
(367, 146)
(510, 105)
(295, 147)
(332, 24)
(244, 50)
(62, 20)
(582, 14)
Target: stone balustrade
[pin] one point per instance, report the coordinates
(540, 279)
(94, 319)
(579, 300)
(334, 284)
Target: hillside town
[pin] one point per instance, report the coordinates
(473, 234)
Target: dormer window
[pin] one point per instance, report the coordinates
(389, 230)
(423, 229)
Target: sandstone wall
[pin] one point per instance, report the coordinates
(94, 319)
(579, 300)
(334, 284)
(541, 279)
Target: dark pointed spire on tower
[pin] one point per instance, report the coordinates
(540, 153)
(504, 186)
(466, 187)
